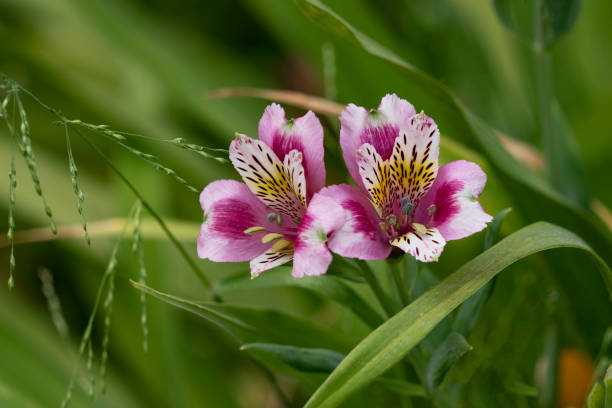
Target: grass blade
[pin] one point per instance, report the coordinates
(388, 344)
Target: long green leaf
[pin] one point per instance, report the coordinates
(534, 196)
(327, 286)
(250, 325)
(453, 347)
(388, 344)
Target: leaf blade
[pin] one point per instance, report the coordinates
(390, 342)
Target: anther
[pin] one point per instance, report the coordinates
(407, 207)
(254, 230)
(272, 217)
(431, 209)
(270, 237)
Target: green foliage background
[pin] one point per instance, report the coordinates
(144, 67)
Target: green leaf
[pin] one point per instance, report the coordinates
(532, 195)
(546, 377)
(251, 325)
(468, 313)
(556, 18)
(388, 344)
(523, 389)
(607, 383)
(309, 360)
(308, 365)
(453, 347)
(327, 286)
(596, 398)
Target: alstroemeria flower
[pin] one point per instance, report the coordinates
(259, 220)
(402, 200)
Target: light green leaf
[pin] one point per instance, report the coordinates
(596, 398)
(453, 347)
(327, 286)
(607, 383)
(388, 344)
(251, 325)
(523, 389)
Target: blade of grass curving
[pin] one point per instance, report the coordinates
(536, 198)
(453, 347)
(388, 344)
(192, 265)
(252, 325)
(74, 174)
(328, 286)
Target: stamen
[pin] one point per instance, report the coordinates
(279, 221)
(382, 226)
(391, 219)
(431, 209)
(272, 217)
(407, 206)
(254, 230)
(272, 236)
(280, 245)
(419, 228)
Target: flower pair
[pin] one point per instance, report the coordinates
(284, 212)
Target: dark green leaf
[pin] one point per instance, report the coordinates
(553, 17)
(443, 359)
(523, 389)
(327, 286)
(309, 360)
(468, 313)
(250, 325)
(388, 344)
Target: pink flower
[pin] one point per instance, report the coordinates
(402, 199)
(259, 220)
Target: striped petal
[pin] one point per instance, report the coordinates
(378, 127)
(304, 134)
(266, 176)
(414, 162)
(376, 179)
(271, 259)
(425, 244)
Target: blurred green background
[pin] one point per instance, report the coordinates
(145, 66)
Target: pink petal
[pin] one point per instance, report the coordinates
(455, 193)
(229, 209)
(425, 245)
(379, 129)
(266, 176)
(323, 217)
(360, 237)
(305, 134)
(414, 162)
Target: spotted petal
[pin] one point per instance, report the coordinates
(454, 196)
(271, 259)
(414, 162)
(295, 171)
(376, 179)
(379, 128)
(266, 176)
(425, 244)
(304, 134)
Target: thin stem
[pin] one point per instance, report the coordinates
(368, 275)
(145, 204)
(398, 279)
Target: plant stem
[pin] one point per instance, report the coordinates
(368, 275)
(194, 267)
(398, 280)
